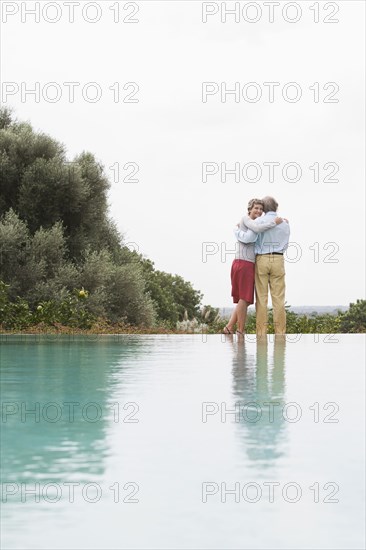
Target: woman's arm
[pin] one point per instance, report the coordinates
(259, 227)
(245, 237)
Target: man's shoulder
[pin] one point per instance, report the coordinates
(262, 219)
(284, 227)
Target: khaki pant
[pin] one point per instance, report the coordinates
(270, 271)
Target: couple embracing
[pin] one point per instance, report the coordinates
(262, 240)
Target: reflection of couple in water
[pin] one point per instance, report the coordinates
(259, 389)
(262, 241)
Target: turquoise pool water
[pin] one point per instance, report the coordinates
(183, 442)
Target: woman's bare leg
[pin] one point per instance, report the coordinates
(241, 310)
(233, 320)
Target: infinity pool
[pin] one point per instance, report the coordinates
(182, 442)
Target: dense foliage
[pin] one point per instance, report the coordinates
(354, 320)
(56, 238)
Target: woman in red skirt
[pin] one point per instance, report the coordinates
(243, 267)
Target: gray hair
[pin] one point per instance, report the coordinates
(269, 204)
(252, 202)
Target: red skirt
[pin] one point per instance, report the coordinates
(242, 281)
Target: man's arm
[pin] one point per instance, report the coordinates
(245, 237)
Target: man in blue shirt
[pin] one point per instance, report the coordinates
(270, 270)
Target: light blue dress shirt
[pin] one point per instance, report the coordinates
(275, 239)
(267, 236)
(247, 234)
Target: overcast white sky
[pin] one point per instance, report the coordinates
(170, 212)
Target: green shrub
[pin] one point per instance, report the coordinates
(354, 319)
(71, 311)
